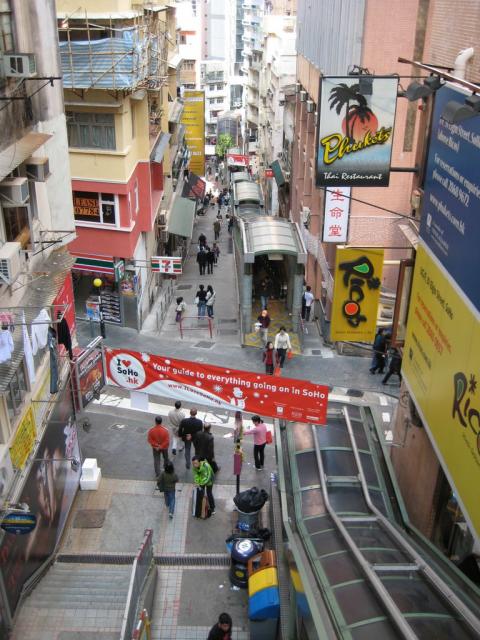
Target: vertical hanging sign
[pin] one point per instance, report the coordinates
(336, 214)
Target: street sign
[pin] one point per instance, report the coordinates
(167, 264)
(18, 522)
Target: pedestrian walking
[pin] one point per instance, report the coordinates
(201, 300)
(231, 222)
(263, 322)
(379, 351)
(175, 416)
(264, 291)
(210, 300)
(282, 345)
(202, 260)
(203, 478)
(187, 431)
(259, 432)
(210, 260)
(394, 366)
(180, 308)
(217, 227)
(216, 251)
(202, 240)
(269, 358)
(205, 447)
(166, 484)
(221, 630)
(307, 302)
(159, 439)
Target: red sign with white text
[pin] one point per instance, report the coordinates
(237, 159)
(296, 400)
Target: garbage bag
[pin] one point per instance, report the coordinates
(250, 500)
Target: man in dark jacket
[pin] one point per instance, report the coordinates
(379, 352)
(189, 427)
(394, 366)
(204, 447)
(222, 630)
(202, 260)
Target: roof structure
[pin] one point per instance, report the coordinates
(247, 192)
(266, 234)
(374, 574)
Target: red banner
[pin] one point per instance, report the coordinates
(237, 159)
(286, 398)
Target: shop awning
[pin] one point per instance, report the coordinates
(19, 151)
(175, 61)
(98, 264)
(159, 149)
(278, 173)
(182, 215)
(175, 110)
(194, 187)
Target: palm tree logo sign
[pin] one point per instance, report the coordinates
(359, 126)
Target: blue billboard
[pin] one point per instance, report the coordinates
(450, 224)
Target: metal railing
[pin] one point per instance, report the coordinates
(195, 323)
(142, 565)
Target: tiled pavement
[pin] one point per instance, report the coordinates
(279, 317)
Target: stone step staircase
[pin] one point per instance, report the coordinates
(79, 599)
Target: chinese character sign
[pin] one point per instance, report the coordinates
(166, 264)
(356, 292)
(337, 211)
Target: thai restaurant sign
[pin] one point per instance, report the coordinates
(355, 131)
(356, 293)
(336, 214)
(441, 366)
(231, 389)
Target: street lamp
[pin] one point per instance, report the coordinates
(97, 283)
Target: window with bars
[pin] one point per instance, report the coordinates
(16, 391)
(6, 30)
(91, 130)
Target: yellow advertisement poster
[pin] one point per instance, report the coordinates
(193, 118)
(441, 364)
(24, 439)
(356, 292)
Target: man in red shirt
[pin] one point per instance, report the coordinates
(159, 440)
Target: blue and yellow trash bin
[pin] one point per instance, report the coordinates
(264, 597)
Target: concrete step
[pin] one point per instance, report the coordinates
(72, 602)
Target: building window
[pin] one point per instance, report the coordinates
(6, 37)
(16, 390)
(91, 130)
(188, 65)
(219, 87)
(219, 100)
(17, 225)
(183, 38)
(100, 208)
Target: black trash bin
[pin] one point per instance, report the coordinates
(242, 550)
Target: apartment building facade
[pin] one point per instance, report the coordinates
(120, 66)
(37, 423)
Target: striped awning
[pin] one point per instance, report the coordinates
(98, 264)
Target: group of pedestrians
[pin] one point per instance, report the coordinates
(207, 257)
(381, 353)
(276, 352)
(187, 431)
(205, 300)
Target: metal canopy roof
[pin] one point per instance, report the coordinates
(240, 176)
(377, 578)
(247, 192)
(181, 217)
(267, 234)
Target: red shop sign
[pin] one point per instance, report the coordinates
(286, 398)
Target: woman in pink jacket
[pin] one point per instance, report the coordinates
(259, 431)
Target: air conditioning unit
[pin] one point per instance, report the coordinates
(37, 169)
(10, 261)
(286, 175)
(281, 103)
(164, 236)
(303, 96)
(14, 191)
(162, 218)
(310, 106)
(305, 215)
(19, 65)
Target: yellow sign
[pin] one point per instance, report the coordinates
(441, 364)
(193, 118)
(358, 274)
(24, 439)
